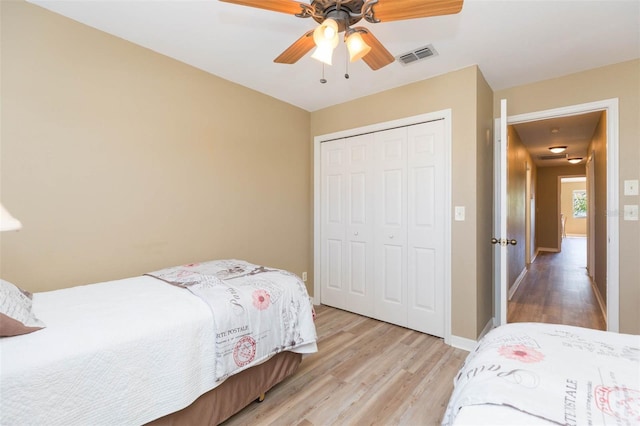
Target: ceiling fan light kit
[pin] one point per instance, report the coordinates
(356, 46)
(325, 37)
(336, 16)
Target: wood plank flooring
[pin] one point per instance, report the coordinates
(366, 372)
(557, 289)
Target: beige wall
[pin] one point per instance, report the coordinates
(119, 160)
(574, 226)
(459, 92)
(484, 203)
(620, 81)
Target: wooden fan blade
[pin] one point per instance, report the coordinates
(378, 56)
(396, 10)
(297, 50)
(285, 6)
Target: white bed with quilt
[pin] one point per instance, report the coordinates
(132, 351)
(534, 373)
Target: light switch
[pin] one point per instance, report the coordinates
(459, 213)
(631, 212)
(631, 187)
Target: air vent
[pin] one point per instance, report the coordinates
(417, 55)
(552, 157)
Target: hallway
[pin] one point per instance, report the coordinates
(557, 290)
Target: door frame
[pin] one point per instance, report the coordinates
(613, 248)
(445, 115)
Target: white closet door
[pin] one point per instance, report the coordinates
(425, 244)
(333, 221)
(358, 261)
(347, 224)
(390, 233)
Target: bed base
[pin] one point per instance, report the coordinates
(235, 393)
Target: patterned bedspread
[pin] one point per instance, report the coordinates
(567, 375)
(257, 311)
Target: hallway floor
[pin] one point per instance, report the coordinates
(557, 289)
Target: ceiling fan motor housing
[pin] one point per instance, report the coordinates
(346, 13)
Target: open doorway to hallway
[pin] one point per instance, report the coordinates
(552, 282)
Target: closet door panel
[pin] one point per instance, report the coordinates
(426, 227)
(333, 222)
(390, 240)
(358, 268)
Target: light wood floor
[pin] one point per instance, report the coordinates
(366, 372)
(557, 289)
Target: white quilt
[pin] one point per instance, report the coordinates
(562, 374)
(117, 353)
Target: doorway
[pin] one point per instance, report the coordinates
(605, 177)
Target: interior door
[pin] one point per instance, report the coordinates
(499, 239)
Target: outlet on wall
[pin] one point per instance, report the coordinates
(304, 277)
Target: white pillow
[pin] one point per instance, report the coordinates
(16, 316)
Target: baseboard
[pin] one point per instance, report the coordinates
(462, 343)
(470, 344)
(603, 306)
(552, 250)
(516, 284)
(533, 258)
(576, 236)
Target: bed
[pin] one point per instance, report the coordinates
(533, 373)
(192, 344)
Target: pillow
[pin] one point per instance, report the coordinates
(15, 311)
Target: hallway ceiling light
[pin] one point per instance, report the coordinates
(574, 160)
(558, 149)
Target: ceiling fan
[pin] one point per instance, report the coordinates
(336, 16)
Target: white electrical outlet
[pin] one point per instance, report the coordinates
(304, 277)
(459, 213)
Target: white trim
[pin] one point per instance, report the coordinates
(463, 343)
(470, 344)
(603, 306)
(549, 249)
(613, 210)
(445, 115)
(516, 284)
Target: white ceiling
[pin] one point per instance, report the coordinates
(514, 42)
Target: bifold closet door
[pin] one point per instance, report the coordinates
(425, 227)
(390, 228)
(346, 218)
(383, 225)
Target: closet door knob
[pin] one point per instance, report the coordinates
(391, 236)
(355, 233)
